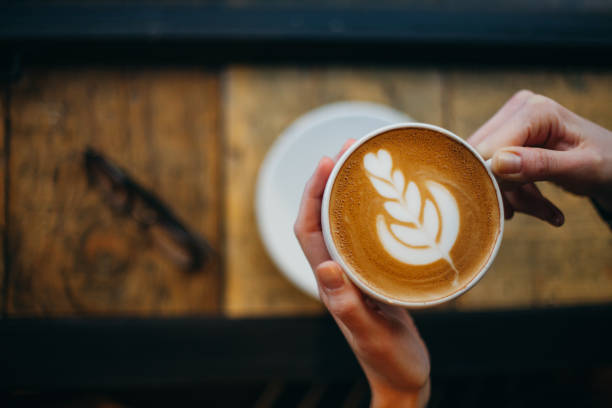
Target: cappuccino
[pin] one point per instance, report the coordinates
(414, 214)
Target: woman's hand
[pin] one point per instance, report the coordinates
(533, 138)
(384, 338)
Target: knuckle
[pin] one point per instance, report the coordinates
(344, 308)
(542, 164)
(299, 231)
(593, 161)
(537, 100)
(522, 95)
(540, 104)
(597, 162)
(310, 183)
(531, 129)
(542, 118)
(297, 228)
(322, 266)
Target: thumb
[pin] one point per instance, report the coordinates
(344, 301)
(527, 164)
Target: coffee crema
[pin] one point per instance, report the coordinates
(414, 214)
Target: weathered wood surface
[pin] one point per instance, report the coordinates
(539, 265)
(260, 103)
(71, 253)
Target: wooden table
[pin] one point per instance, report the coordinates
(196, 136)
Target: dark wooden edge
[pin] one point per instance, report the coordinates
(259, 31)
(48, 354)
(152, 20)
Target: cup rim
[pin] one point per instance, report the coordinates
(331, 247)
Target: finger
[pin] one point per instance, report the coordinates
(529, 200)
(344, 301)
(535, 123)
(344, 148)
(503, 114)
(307, 227)
(508, 210)
(313, 193)
(527, 164)
(396, 315)
(309, 215)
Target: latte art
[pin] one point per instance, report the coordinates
(413, 214)
(420, 235)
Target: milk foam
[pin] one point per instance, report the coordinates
(422, 233)
(414, 175)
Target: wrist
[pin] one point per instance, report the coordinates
(383, 397)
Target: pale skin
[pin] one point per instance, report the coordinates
(531, 138)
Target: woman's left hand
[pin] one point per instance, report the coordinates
(384, 338)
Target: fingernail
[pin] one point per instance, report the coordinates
(331, 278)
(507, 163)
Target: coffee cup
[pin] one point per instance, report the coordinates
(413, 214)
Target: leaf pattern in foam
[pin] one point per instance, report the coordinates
(398, 181)
(449, 215)
(399, 212)
(384, 188)
(416, 243)
(430, 220)
(413, 199)
(410, 236)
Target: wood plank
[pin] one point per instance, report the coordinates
(261, 102)
(3, 158)
(539, 265)
(74, 255)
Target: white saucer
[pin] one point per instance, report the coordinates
(289, 164)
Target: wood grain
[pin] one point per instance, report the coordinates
(74, 255)
(260, 103)
(540, 265)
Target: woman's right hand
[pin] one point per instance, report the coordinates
(533, 138)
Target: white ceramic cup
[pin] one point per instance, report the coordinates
(329, 242)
